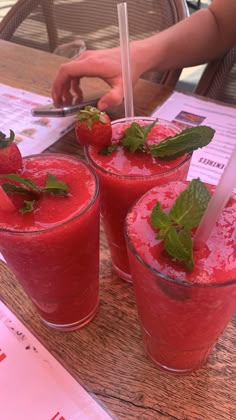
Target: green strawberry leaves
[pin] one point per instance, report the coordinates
(4, 140)
(25, 186)
(90, 115)
(135, 139)
(175, 228)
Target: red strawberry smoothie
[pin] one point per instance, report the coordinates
(48, 249)
(181, 313)
(124, 177)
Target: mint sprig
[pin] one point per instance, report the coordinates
(187, 141)
(175, 227)
(55, 186)
(26, 186)
(27, 207)
(107, 150)
(178, 244)
(135, 139)
(26, 183)
(190, 205)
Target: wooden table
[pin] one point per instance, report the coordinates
(107, 356)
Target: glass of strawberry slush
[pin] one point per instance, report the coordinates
(125, 176)
(54, 249)
(181, 313)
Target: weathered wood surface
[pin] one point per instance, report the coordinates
(107, 356)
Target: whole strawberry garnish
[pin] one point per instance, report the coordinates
(93, 127)
(10, 156)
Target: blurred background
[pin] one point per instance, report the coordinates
(189, 76)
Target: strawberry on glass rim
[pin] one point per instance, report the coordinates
(10, 156)
(93, 127)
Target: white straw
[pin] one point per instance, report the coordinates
(219, 199)
(125, 59)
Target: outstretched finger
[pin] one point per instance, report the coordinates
(60, 94)
(68, 72)
(76, 89)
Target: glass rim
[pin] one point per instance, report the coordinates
(71, 219)
(144, 117)
(137, 177)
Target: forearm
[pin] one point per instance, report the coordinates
(202, 37)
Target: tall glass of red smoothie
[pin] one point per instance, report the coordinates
(54, 250)
(181, 313)
(124, 177)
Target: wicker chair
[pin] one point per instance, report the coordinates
(218, 80)
(47, 24)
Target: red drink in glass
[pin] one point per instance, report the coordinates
(181, 313)
(124, 177)
(54, 250)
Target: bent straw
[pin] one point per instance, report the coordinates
(125, 59)
(5, 202)
(217, 202)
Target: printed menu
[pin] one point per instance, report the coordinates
(184, 110)
(33, 385)
(32, 134)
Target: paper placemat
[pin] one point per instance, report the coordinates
(33, 384)
(184, 110)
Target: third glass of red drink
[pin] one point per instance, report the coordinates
(181, 313)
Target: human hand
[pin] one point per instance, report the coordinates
(105, 64)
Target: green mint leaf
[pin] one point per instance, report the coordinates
(27, 207)
(135, 136)
(27, 186)
(185, 214)
(187, 141)
(24, 181)
(107, 150)
(179, 246)
(160, 220)
(190, 205)
(14, 189)
(148, 127)
(55, 186)
(4, 140)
